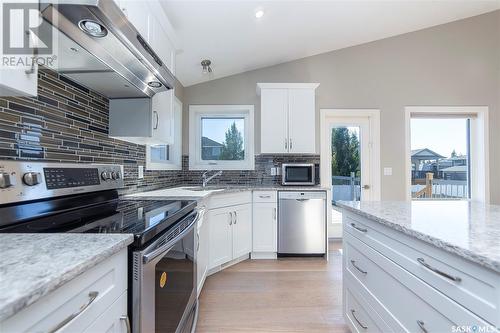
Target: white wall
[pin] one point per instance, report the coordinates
(453, 64)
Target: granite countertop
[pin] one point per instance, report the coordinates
(190, 192)
(33, 265)
(470, 230)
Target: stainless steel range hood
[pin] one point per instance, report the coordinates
(99, 48)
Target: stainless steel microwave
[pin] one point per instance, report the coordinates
(298, 174)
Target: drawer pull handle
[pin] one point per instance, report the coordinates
(359, 323)
(264, 196)
(422, 262)
(421, 325)
(353, 262)
(92, 296)
(127, 323)
(358, 228)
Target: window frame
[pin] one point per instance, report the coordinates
(478, 150)
(175, 149)
(197, 112)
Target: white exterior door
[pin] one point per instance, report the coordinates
(274, 121)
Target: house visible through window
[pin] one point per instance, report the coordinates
(440, 158)
(221, 137)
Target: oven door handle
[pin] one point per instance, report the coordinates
(169, 245)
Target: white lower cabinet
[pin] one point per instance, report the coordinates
(402, 299)
(113, 320)
(265, 227)
(230, 233)
(203, 253)
(95, 301)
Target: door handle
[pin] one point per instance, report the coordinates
(127, 323)
(274, 213)
(230, 218)
(366, 187)
(286, 144)
(157, 120)
(235, 217)
(92, 296)
(291, 147)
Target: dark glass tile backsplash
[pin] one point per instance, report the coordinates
(69, 123)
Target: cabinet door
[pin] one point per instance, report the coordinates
(274, 121)
(163, 117)
(203, 254)
(137, 14)
(161, 44)
(264, 227)
(113, 320)
(242, 230)
(301, 121)
(220, 248)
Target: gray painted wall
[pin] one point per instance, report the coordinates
(453, 64)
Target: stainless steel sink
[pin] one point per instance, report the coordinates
(201, 188)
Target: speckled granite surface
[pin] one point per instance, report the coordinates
(33, 265)
(187, 192)
(470, 230)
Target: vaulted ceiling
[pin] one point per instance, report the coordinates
(229, 34)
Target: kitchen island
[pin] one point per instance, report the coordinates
(65, 270)
(429, 266)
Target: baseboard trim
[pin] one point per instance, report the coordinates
(219, 268)
(263, 255)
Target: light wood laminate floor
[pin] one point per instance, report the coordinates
(285, 295)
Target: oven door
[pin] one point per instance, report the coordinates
(164, 281)
(298, 174)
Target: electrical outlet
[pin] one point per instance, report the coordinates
(273, 171)
(140, 172)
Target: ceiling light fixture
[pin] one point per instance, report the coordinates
(154, 84)
(205, 64)
(259, 13)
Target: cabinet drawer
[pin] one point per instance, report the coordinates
(87, 296)
(397, 290)
(230, 199)
(360, 316)
(265, 196)
(478, 288)
(113, 320)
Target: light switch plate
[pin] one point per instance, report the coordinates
(273, 171)
(140, 172)
(387, 171)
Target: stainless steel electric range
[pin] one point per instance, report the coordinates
(82, 198)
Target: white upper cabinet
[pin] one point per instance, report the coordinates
(143, 120)
(288, 117)
(150, 20)
(18, 79)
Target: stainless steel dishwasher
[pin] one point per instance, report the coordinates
(301, 223)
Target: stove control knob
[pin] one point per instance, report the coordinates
(32, 178)
(115, 175)
(105, 175)
(6, 180)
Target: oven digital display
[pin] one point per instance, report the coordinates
(57, 178)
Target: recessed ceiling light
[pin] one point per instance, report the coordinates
(93, 28)
(259, 13)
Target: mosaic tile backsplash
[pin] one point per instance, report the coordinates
(69, 123)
